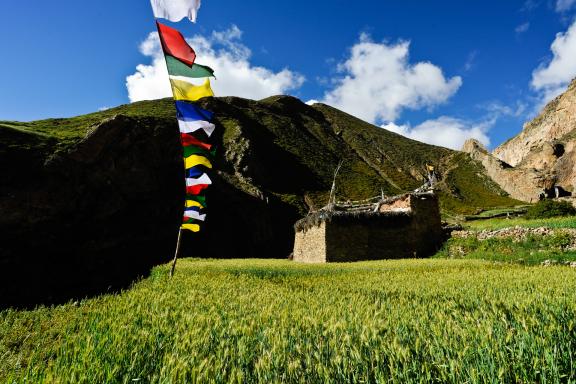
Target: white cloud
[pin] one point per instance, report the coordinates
(522, 28)
(496, 109)
(470, 61)
(223, 52)
(564, 5)
(552, 78)
(379, 82)
(445, 131)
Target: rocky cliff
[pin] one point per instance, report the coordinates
(525, 184)
(547, 144)
(92, 202)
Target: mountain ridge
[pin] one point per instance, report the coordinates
(275, 162)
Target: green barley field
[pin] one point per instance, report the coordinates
(273, 321)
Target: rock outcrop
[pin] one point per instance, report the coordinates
(541, 160)
(548, 143)
(525, 184)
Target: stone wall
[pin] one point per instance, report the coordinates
(391, 234)
(310, 244)
(384, 236)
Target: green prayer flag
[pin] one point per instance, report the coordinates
(198, 198)
(178, 68)
(193, 150)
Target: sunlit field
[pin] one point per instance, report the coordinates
(277, 321)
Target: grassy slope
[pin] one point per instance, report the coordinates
(276, 321)
(375, 160)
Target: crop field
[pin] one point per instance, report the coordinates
(436, 320)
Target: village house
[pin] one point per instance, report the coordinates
(403, 226)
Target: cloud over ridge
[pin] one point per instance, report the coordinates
(224, 52)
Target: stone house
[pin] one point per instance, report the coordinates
(403, 226)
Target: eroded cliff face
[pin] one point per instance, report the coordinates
(547, 144)
(525, 184)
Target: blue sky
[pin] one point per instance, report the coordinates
(437, 71)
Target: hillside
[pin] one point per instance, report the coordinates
(94, 201)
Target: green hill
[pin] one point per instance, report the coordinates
(96, 199)
(281, 137)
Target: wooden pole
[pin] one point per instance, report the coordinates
(176, 253)
(332, 198)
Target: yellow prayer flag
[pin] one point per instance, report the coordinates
(194, 160)
(186, 91)
(193, 203)
(191, 227)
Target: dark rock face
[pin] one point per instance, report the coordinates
(93, 218)
(96, 217)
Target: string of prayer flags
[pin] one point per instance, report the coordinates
(194, 123)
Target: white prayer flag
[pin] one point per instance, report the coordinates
(175, 10)
(202, 180)
(193, 126)
(194, 215)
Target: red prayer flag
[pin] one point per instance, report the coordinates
(189, 140)
(196, 189)
(174, 44)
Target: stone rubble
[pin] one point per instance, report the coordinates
(517, 233)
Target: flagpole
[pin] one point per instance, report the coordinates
(173, 268)
(178, 241)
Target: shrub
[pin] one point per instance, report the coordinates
(550, 208)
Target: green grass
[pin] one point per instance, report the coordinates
(556, 222)
(531, 250)
(499, 212)
(69, 130)
(467, 190)
(448, 321)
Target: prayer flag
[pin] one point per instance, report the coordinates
(174, 44)
(196, 189)
(192, 203)
(195, 160)
(195, 186)
(191, 112)
(178, 68)
(188, 140)
(193, 126)
(184, 90)
(194, 171)
(204, 179)
(189, 151)
(198, 198)
(175, 10)
(191, 227)
(191, 214)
